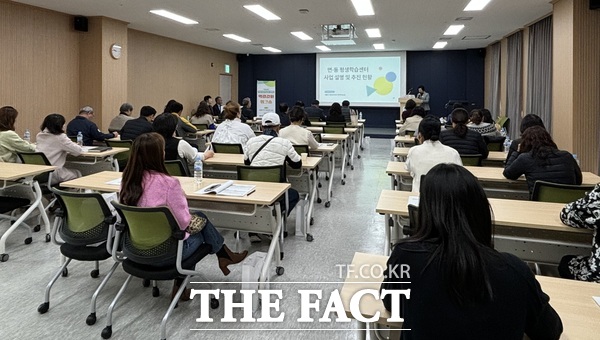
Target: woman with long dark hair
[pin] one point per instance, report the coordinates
(539, 159)
(146, 183)
(203, 115)
(461, 138)
(461, 287)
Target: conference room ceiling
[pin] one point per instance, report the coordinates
(404, 25)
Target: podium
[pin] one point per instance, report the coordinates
(402, 100)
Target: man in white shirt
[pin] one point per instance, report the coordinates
(421, 158)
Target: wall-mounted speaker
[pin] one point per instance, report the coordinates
(80, 23)
(594, 4)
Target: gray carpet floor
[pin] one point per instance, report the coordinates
(350, 225)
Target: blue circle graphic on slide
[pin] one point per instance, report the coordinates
(390, 76)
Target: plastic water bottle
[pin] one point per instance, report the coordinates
(576, 159)
(27, 135)
(198, 170)
(507, 143)
(360, 116)
(503, 132)
(79, 138)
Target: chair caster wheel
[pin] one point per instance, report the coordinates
(37, 228)
(361, 148)
(106, 332)
(281, 256)
(347, 163)
(43, 308)
(65, 272)
(28, 240)
(344, 175)
(319, 200)
(309, 237)
(214, 303)
(326, 178)
(91, 319)
(352, 167)
(312, 220)
(279, 271)
(285, 234)
(320, 185)
(327, 204)
(95, 273)
(48, 238)
(358, 156)
(3, 257)
(343, 182)
(146, 283)
(155, 292)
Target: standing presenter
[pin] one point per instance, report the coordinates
(424, 96)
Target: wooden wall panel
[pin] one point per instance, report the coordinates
(90, 68)
(39, 64)
(114, 71)
(161, 69)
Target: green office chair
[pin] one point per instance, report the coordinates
(84, 224)
(147, 236)
(471, 160)
(333, 129)
(201, 127)
(336, 124)
(227, 148)
(177, 168)
(121, 157)
(314, 119)
(494, 143)
(301, 149)
(274, 173)
(44, 180)
(410, 133)
(558, 193)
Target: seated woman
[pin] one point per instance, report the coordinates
(295, 133)
(583, 213)
(408, 108)
(176, 148)
(421, 158)
(203, 115)
(539, 159)
(232, 130)
(461, 138)
(461, 287)
(477, 124)
(10, 142)
(335, 113)
(412, 123)
(146, 183)
(55, 144)
(528, 121)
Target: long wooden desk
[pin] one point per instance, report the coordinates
(24, 174)
(571, 299)
(402, 141)
(91, 158)
(355, 139)
(256, 212)
(530, 230)
(494, 156)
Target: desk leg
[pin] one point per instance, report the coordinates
(312, 181)
(393, 182)
(362, 331)
(115, 163)
(38, 193)
(353, 152)
(362, 137)
(344, 144)
(274, 249)
(331, 172)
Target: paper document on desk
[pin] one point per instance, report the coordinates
(413, 200)
(326, 144)
(597, 299)
(228, 189)
(115, 181)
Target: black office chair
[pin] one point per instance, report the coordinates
(558, 193)
(177, 168)
(149, 235)
(84, 224)
(227, 148)
(471, 160)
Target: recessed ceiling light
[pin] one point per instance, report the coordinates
(323, 48)
(363, 7)
(373, 32)
(272, 49)
(302, 35)
(263, 12)
(379, 46)
(236, 37)
(440, 44)
(454, 29)
(476, 5)
(173, 16)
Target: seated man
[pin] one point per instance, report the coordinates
(136, 127)
(125, 111)
(83, 123)
(267, 150)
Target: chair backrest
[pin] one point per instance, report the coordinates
(417, 141)
(314, 119)
(201, 127)
(506, 124)
(301, 149)
(177, 168)
(335, 124)
(471, 160)
(86, 217)
(37, 158)
(318, 137)
(494, 143)
(413, 218)
(333, 129)
(149, 234)
(558, 193)
(274, 173)
(227, 148)
(122, 157)
(409, 133)
(73, 139)
(257, 133)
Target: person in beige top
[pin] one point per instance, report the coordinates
(412, 123)
(55, 144)
(10, 142)
(295, 133)
(116, 124)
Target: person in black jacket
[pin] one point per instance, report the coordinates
(528, 121)
(247, 113)
(461, 288)
(83, 123)
(136, 127)
(539, 159)
(463, 139)
(335, 113)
